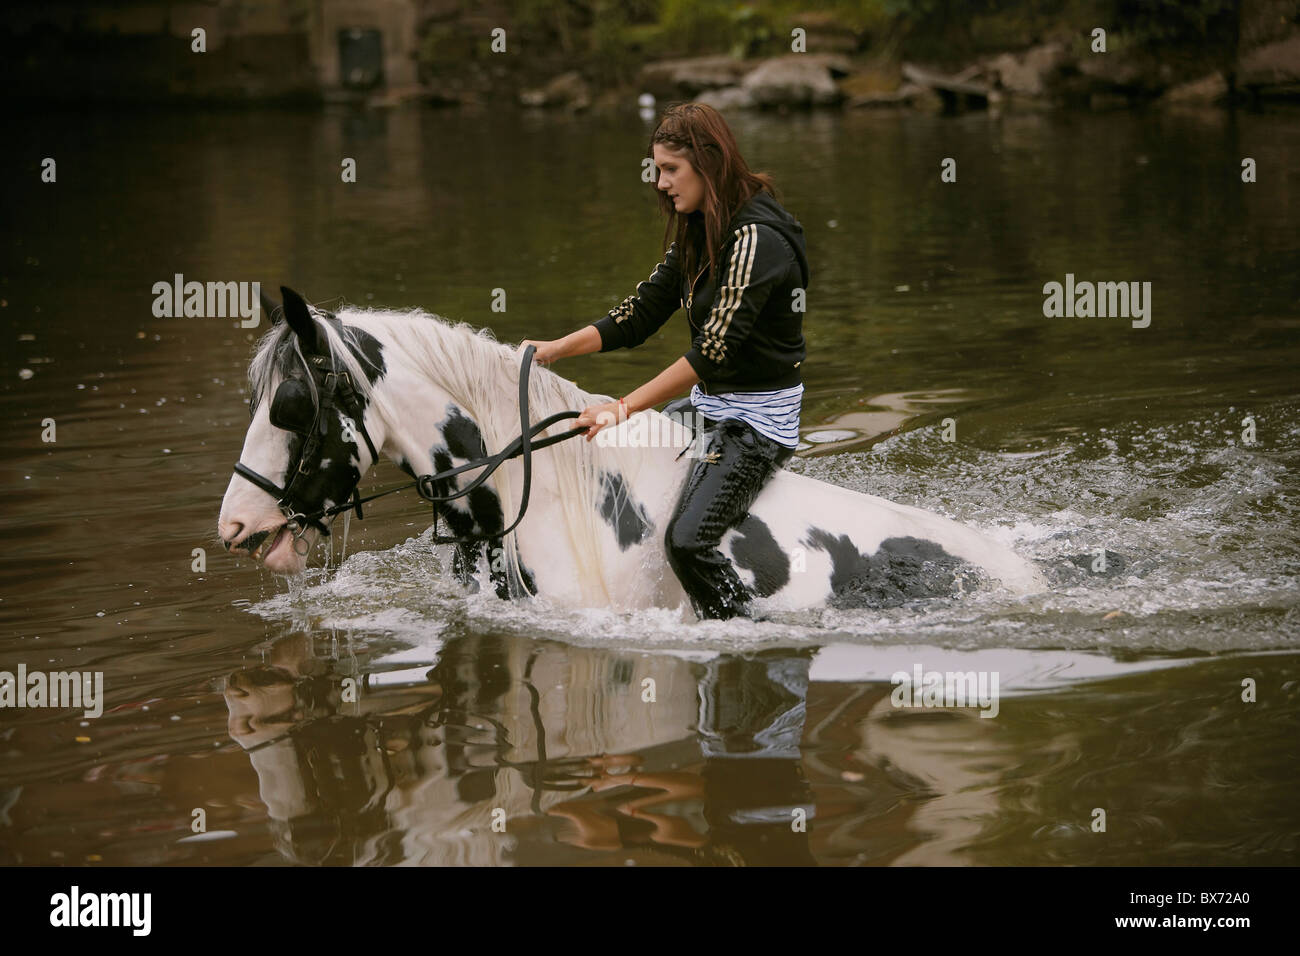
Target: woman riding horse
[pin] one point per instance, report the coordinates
(747, 345)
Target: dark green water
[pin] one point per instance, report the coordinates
(1122, 690)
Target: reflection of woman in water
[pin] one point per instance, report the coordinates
(749, 787)
(746, 332)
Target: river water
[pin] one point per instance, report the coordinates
(1161, 689)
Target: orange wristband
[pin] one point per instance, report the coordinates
(622, 405)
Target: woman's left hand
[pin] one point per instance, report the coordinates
(596, 417)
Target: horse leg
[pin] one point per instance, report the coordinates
(464, 561)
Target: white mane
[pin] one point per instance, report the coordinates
(482, 377)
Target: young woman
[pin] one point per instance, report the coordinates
(738, 263)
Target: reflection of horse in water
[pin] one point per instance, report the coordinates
(497, 728)
(558, 739)
(431, 396)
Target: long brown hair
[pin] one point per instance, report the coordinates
(703, 137)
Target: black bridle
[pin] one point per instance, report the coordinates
(293, 409)
(336, 389)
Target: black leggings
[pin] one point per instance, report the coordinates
(733, 464)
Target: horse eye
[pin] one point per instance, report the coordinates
(292, 408)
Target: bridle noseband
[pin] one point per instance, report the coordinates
(336, 390)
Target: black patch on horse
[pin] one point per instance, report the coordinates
(458, 523)
(755, 549)
(628, 518)
(482, 512)
(461, 434)
(901, 569)
(335, 471)
(372, 354)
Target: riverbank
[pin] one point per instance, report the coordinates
(1015, 57)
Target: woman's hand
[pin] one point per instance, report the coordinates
(547, 352)
(582, 342)
(596, 417)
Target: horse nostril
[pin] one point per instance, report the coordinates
(235, 530)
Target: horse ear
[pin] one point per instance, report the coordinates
(269, 306)
(300, 320)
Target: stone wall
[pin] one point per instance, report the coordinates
(256, 50)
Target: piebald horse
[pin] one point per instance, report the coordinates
(432, 394)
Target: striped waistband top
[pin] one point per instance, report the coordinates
(774, 415)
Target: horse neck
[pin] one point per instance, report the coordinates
(433, 369)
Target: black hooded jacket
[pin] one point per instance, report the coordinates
(746, 336)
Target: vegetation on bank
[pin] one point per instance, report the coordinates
(609, 40)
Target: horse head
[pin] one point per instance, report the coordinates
(310, 435)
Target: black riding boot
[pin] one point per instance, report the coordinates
(733, 465)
